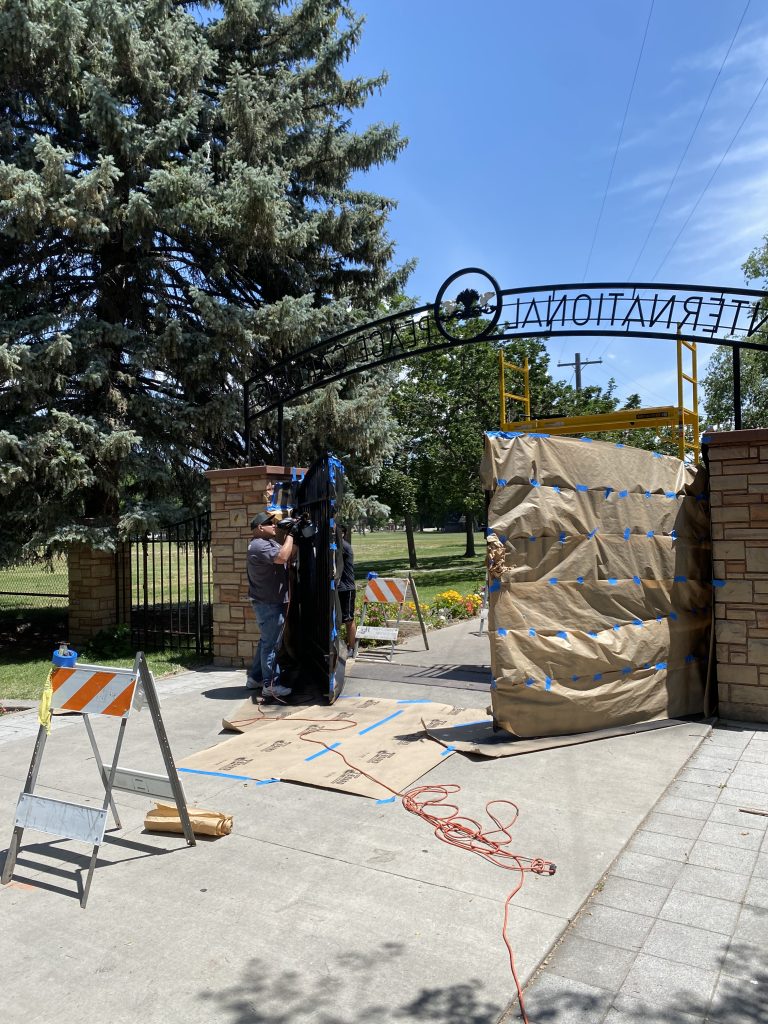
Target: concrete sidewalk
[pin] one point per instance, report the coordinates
(320, 907)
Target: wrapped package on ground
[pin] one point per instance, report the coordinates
(600, 584)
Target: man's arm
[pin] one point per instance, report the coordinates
(285, 553)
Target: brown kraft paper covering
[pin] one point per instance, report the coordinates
(600, 599)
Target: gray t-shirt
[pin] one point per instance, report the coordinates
(267, 582)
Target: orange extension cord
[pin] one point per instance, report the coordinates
(430, 804)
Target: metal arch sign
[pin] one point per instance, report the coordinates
(471, 307)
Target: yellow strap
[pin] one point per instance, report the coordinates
(44, 712)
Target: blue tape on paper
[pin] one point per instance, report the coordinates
(681, 579)
(581, 487)
(608, 492)
(673, 535)
(222, 775)
(612, 580)
(619, 445)
(381, 722)
(479, 721)
(325, 750)
(531, 632)
(555, 488)
(548, 683)
(534, 483)
(588, 440)
(626, 671)
(660, 665)
(333, 584)
(387, 800)
(266, 782)
(293, 474)
(562, 537)
(447, 751)
(414, 701)
(592, 633)
(623, 494)
(501, 482)
(670, 494)
(579, 579)
(501, 631)
(657, 455)
(562, 634)
(496, 585)
(574, 679)
(333, 524)
(637, 622)
(372, 575)
(591, 534)
(552, 580)
(637, 580)
(718, 583)
(673, 616)
(333, 546)
(597, 677)
(650, 533)
(503, 538)
(532, 537)
(616, 626)
(647, 494)
(529, 681)
(627, 533)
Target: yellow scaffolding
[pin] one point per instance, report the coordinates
(674, 417)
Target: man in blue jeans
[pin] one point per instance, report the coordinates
(267, 571)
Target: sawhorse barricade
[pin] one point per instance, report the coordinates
(97, 690)
(388, 590)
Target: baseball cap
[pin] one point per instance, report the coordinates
(262, 519)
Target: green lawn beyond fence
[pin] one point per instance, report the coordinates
(27, 637)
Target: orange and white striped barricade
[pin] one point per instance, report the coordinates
(114, 693)
(388, 590)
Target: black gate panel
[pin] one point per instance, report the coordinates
(164, 587)
(313, 654)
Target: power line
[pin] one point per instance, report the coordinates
(688, 143)
(711, 177)
(618, 143)
(578, 365)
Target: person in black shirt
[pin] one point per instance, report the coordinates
(347, 590)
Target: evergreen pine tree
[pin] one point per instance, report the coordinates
(175, 214)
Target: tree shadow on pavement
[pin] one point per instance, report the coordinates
(333, 987)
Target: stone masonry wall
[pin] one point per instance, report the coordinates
(738, 465)
(92, 592)
(236, 496)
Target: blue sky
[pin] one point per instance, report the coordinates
(514, 112)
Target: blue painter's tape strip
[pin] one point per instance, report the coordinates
(464, 725)
(597, 676)
(608, 492)
(325, 750)
(588, 440)
(503, 538)
(649, 533)
(562, 634)
(592, 633)
(266, 782)
(387, 800)
(581, 487)
(616, 626)
(681, 579)
(574, 679)
(591, 533)
(637, 622)
(531, 632)
(501, 631)
(548, 683)
(647, 494)
(532, 537)
(579, 579)
(552, 580)
(496, 585)
(502, 483)
(637, 580)
(612, 580)
(414, 702)
(623, 494)
(673, 616)
(627, 533)
(221, 775)
(530, 681)
(657, 455)
(562, 537)
(381, 722)
(555, 488)
(621, 445)
(670, 494)
(535, 483)
(447, 751)
(660, 665)
(626, 671)
(718, 583)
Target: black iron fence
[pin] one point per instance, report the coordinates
(164, 587)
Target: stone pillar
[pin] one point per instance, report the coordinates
(92, 592)
(738, 466)
(236, 496)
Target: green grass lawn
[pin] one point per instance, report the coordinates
(442, 565)
(27, 638)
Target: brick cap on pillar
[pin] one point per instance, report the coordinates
(245, 471)
(756, 436)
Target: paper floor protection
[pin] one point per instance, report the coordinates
(386, 738)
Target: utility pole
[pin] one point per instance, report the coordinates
(578, 363)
